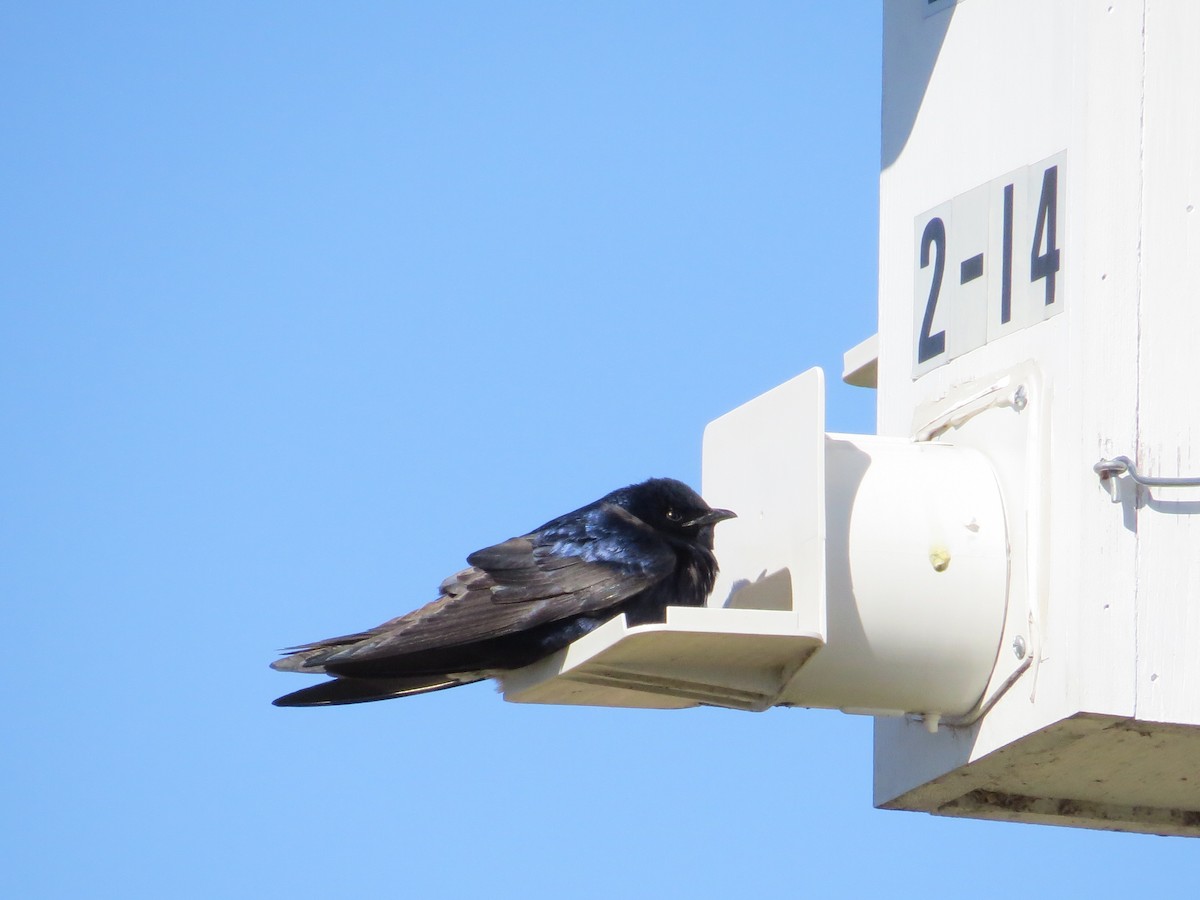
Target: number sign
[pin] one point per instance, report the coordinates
(988, 263)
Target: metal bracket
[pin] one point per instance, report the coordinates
(1123, 465)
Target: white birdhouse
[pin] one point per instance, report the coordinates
(1008, 574)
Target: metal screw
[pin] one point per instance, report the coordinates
(1019, 647)
(1020, 398)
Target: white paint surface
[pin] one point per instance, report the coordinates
(967, 564)
(985, 88)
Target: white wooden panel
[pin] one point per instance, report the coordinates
(1011, 83)
(1168, 623)
(1092, 578)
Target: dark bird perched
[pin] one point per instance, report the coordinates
(637, 550)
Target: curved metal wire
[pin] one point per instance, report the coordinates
(1123, 465)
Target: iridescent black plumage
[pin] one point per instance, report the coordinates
(636, 550)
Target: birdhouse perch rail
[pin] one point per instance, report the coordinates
(1123, 465)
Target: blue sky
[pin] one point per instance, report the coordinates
(301, 303)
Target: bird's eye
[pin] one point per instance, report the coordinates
(673, 514)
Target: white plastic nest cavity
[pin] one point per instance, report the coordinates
(863, 573)
(765, 461)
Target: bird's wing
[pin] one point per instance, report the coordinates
(307, 658)
(570, 567)
(586, 558)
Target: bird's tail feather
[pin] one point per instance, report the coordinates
(364, 690)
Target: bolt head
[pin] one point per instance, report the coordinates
(1020, 398)
(1018, 646)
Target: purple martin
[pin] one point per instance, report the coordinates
(636, 551)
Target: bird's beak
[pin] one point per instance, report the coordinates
(712, 517)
